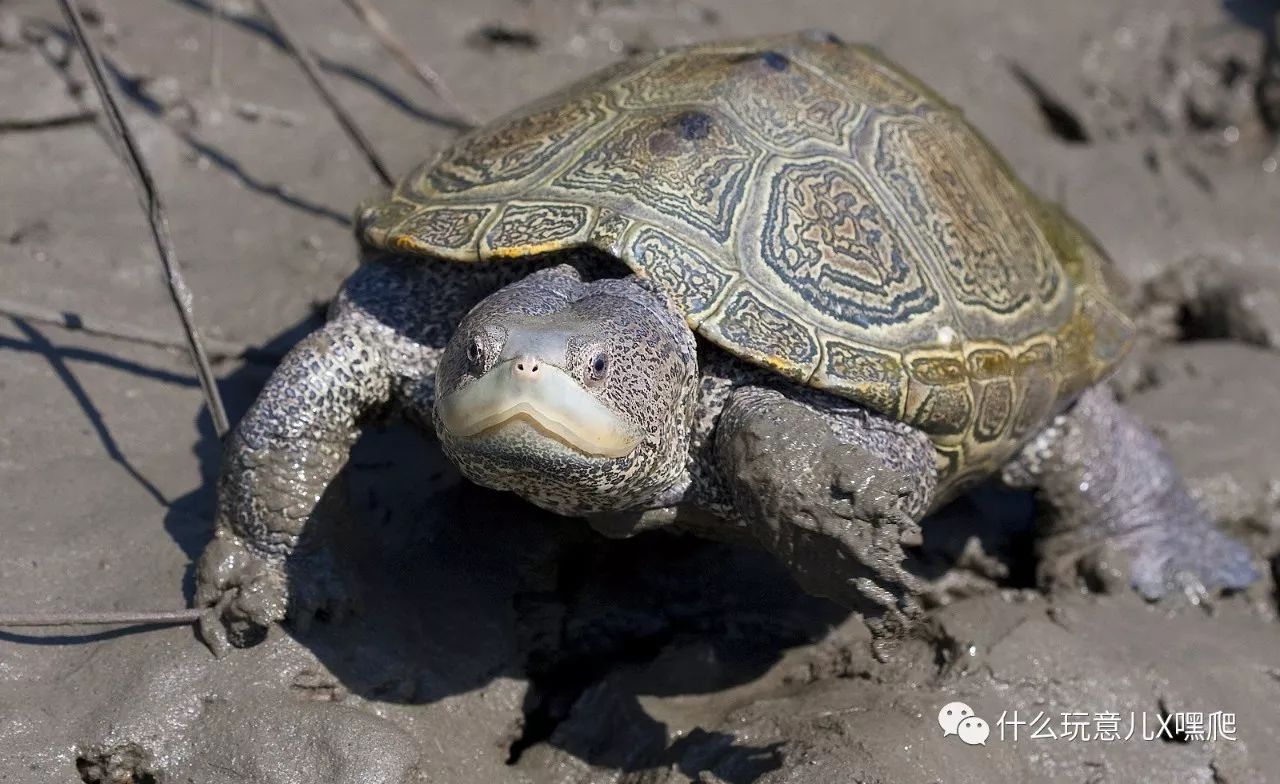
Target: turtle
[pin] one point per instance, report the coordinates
(774, 290)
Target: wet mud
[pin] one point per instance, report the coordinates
(500, 644)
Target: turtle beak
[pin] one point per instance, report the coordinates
(541, 395)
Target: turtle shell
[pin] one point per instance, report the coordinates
(813, 209)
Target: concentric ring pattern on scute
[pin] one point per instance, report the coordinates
(813, 209)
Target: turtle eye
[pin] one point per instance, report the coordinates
(598, 367)
(475, 351)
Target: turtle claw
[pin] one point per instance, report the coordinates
(245, 593)
(1190, 568)
(1186, 566)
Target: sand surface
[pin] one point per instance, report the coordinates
(499, 644)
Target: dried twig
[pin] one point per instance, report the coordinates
(53, 121)
(162, 617)
(381, 28)
(312, 71)
(217, 349)
(155, 214)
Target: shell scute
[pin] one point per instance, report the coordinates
(694, 281)
(527, 229)
(452, 232)
(784, 104)
(694, 166)
(509, 151)
(875, 379)
(829, 243)
(766, 334)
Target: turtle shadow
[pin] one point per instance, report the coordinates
(461, 586)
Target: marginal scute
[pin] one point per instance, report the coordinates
(872, 378)
(1112, 330)
(374, 221)
(1035, 371)
(995, 404)
(987, 363)
(943, 410)
(771, 337)
(444, 231)
(527, 229)
(610, 231)
(1075, 351)
(938, 370)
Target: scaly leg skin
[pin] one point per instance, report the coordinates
(835, 492)
(1119, 512)
(276, 493)
(277, 466)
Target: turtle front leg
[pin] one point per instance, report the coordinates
(834, 492)
(276, 489)
(1118, 511)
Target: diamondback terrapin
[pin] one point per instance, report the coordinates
(774, 289)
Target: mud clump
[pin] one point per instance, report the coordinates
(499, 646)
(127, 763)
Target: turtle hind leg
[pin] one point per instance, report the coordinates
(1118, 511)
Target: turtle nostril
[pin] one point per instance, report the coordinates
(526, 367)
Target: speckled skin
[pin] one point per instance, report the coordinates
(732, 451)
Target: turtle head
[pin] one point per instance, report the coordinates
(577, 396)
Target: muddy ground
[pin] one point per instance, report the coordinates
(500, 644)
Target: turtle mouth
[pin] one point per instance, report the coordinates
(552, 404)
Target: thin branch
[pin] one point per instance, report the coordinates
(217, 349)
(312, 71)
(167, 618)
(78, 117)
(155, 214)
(381, 28)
